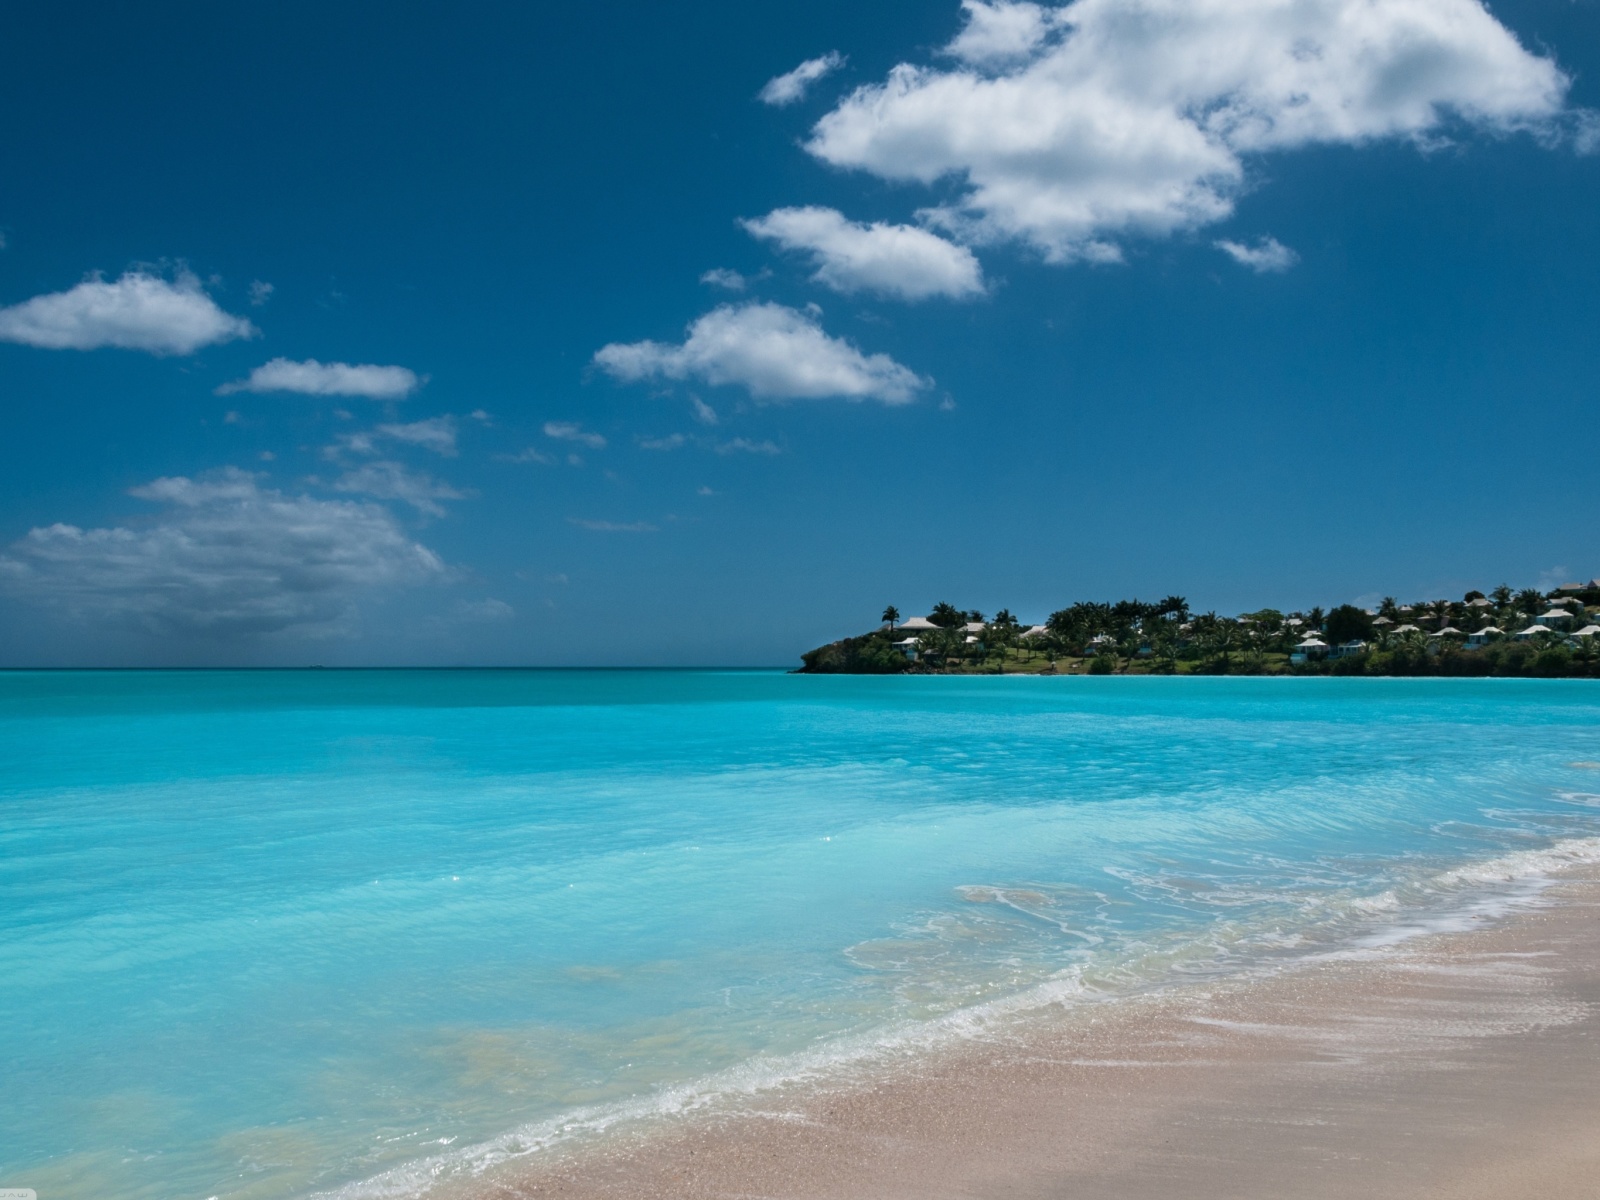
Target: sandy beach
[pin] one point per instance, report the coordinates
(1455, 1065)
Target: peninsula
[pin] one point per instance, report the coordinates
(1504, 632)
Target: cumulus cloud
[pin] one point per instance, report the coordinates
(892, 260)
(571, 431)
(227, 556)
(313, 378)
(793, 85)
(140, 311)
(1267, 255)
(774, 352)
(387, 480)
(997, 34)
(1074, 127)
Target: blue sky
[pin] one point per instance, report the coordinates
(376, 334)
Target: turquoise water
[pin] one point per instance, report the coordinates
(273, 934)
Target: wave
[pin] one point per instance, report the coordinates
(1460, 898)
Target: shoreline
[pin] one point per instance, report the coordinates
(1453, 1064)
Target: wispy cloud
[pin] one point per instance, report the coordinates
(393, 481)
(773, 352)
(671, 442)
(741, 445)
(1266, 256)
(614, 526)
(792, 86)
(313, 378)
(140, 311)
(703, 412)
(722, 277)
(531, 455)
(571, 431)
(436, 433)
(260, 292)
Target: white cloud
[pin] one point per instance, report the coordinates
(893, 260)
(228, 556)
(1268, 254)
(703, 412)
(1127, 117)
(997, 34)
(260, 292)
(774, 352)
(530, 455)
(613, 526)
(488, 609)
(671, 442)
(571, 431)
(436, 433)
(313, 378)
(793, 85)
(388, 480)
(722, 277)
(140, 311)
(741, 445)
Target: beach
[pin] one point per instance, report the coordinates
(1449, 1067)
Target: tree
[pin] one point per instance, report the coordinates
(1004, 619)
(1175, 607)
(1315, 617)
(1501, 596)
(1531, 601)
(891, 616)
(1389, 607)
(947, 616)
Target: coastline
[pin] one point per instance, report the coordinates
(1454, 1064)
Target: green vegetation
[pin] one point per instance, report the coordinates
(1505, 633)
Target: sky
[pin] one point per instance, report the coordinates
(635, 334)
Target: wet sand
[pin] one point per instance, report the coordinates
(1457, 1065)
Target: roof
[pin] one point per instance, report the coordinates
(1559, 613)
(1487, 630)
(973, 627)
(1480, 602)
(1406, 629)
(1532, 629)
(1034, 631)
(917, 623)
(1587, 631)
(1312, 643)
(1383, 621)
(1448, 629)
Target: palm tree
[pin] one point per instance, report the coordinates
(1531, 601)
(1389, 607)
(891, 617)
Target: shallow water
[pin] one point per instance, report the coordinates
(267, 934)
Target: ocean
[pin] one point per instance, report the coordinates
(360, 934)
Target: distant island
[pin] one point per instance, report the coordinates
(1524, 633)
